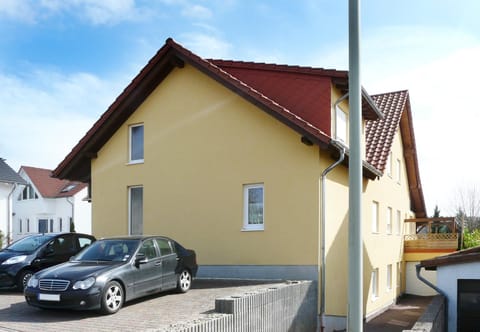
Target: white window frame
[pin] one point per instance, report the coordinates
(399, 223)
(398, 176)
(130, 209)
(389, 220)
(341, 125)
(247, 226)
(388, 166)
(130, 138)
(389, 277)
(375, 217)
(374, 281)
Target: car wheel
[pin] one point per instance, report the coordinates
(23, 278)
(112, 298)
(184, 281)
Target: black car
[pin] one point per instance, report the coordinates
(112, 271)
(20, 260)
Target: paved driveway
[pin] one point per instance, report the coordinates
(154, 313)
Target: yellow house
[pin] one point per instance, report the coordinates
(230, 159)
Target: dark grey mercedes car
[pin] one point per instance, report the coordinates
(112, 271)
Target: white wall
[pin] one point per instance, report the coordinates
(447, 277)
(5, 208)
(416, 287)
(83, 212)
(51, 209)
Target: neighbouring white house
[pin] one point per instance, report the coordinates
(458, 279)
(9, 181)
(47, 204)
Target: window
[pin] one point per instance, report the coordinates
(135, 208)
(399, 222)
(84, 242)
(388, 166)
(164, 246)
(341, 125)
(28, 193)
(28, 225)
(399, 170)
(375, 225)
(389, 220)
(60, 224)
(389, 277)
(253, 218)
(136, 144)
(21, 228)
(51, 225)
(374, 284)
(148, 249)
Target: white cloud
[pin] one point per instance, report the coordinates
(17, 10)
(206, 46)
(105, 12)
(197, 12)
(108, 11)
(44, 114)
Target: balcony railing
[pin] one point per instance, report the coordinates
(431, 241)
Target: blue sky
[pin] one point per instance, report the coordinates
(62, 63)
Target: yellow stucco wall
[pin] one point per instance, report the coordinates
(380, 248)
(383, 247)
(202, 144)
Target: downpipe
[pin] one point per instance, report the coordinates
(418, 269)
(341, 149)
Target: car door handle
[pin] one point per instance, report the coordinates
(158, 263)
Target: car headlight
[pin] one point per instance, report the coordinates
(84, 284)
(32, 282)
(15, 260)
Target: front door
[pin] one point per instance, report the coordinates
(43, 226)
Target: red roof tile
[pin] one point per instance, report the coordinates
(380, 133)
(50, 187)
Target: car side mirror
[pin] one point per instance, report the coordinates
(140, 259)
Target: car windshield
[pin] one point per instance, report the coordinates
(30, 243)
(118, 250)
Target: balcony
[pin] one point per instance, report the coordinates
(432, 235)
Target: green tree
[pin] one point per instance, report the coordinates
(471, 238)
(436, 212)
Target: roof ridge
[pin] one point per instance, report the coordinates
(278, 67)
(390, 93)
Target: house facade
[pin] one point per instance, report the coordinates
(227, 158)
(9, 181)
(47, 205)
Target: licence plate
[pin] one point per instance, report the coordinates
(49, 297)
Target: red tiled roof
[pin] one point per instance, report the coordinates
(379, 138)
(50, 187)
(295, 82)
(304, 91)
(380, 133)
